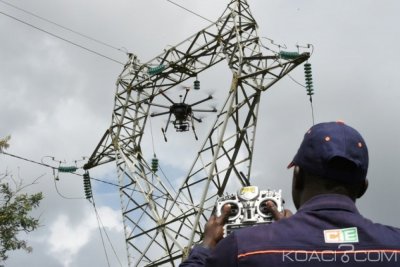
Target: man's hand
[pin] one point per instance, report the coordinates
(214, 228)
(275, 213)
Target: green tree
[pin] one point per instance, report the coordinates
(4, 143)
(15, 206)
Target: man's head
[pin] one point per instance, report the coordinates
(333, 158)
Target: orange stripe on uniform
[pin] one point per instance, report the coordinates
(275, 251)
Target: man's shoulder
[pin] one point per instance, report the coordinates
(309, 229)
(267, 234)
(385, 234)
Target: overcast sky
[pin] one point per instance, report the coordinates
(56, 100)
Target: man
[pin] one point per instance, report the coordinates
(330, 170)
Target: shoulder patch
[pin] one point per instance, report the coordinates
(345, 235)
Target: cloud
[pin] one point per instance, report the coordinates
(67, 238)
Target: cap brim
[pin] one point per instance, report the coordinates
(291, 164)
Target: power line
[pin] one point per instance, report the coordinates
(61, 38)
(29, 160)
(99, 221)
(62, 195)
(101, 227)
(294, 80)
(89, 37)
(204, 18)
(61, 26)
(92, 178)
(54, 168)
(311, 102)
(190, 11)
(101, 234)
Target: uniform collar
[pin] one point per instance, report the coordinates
(329, 201)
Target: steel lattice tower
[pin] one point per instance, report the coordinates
(159, 228)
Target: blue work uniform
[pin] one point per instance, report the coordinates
(326, 231)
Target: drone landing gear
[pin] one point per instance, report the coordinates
(194, 132)
(180, 126)
(165, 137)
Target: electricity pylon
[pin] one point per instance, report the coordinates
(161, 224)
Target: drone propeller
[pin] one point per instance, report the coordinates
(210, 92)
(185, 87)
(201, 101)
(199, 120)
(186, 93)
(158, 105)
(154, 114)
(205, 110)
(167, 97)
(213, 107)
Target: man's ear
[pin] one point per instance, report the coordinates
(298, 183)
(363, 189)
(298, 178)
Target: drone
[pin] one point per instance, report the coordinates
(181, 114)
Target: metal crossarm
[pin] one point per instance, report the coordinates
(161, 225)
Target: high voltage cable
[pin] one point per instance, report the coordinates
(54, 168)
(294, 80)
(190, 11)
(101, 226)
(29, 160)
(102, 239)
(198, 15)
(91, 38)
(61, 38)
(311, 102)
(61, 26)
(99, 222)
(78, 174)
(81, 34)
(59, 193)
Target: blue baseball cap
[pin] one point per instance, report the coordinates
(324, 143)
